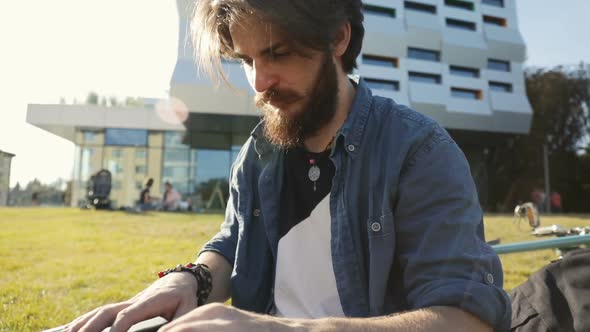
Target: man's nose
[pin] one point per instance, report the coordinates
(263, 78)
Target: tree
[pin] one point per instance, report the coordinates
(92, 98)
(560, 98)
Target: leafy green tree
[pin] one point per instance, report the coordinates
(560, 98)
(92, 98)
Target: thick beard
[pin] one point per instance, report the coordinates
(291, 131)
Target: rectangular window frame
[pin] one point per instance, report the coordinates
(464, 93)
(464, 71)
(428, 78)
(499, 65)
(424, 54)
(420, 7)
(379, 60)
(495, 3)
(460, 24)
(394, 84)
(500, 86)
(461, 4)
(494, 20)
(379, 11)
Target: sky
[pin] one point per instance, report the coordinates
(66, 48)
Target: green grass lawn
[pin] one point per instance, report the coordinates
(56, 264)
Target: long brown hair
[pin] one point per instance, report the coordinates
(309, 23)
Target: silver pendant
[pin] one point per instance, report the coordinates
(314, 173)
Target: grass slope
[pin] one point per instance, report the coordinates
(56, 264)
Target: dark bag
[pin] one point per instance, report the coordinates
(555, 298)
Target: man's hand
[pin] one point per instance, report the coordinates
(217, 317)
(169, 297)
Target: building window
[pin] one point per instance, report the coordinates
(140, 154)
(377, 60)
(174, 139)
(378, 84)
(423, 54)
(421, 7)
(114, 167)
(464, 71)
(501, 65)
(498, 21)
(424, 77)
(116, 153)
(460, 4)
(466, 93)
(501, 87)
(211, 178)
(379, 11)
(497, 3)
(89, 136)
(459, 24)
(141, 169)
(126, 137)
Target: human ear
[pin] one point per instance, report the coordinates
(341, 40)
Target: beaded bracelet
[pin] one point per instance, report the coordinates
(201, 273)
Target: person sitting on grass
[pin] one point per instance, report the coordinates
(171, 198)
(146, 201)
(347, 211)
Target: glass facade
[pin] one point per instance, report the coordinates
(196, 162)
(125, 137)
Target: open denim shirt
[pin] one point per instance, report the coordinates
(407, 227)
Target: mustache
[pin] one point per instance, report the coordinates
(276, 96)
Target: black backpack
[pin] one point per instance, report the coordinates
(555, 298)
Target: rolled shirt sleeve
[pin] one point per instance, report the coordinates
(225, 241)
(441, 248)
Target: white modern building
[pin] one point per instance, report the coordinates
(458, 61)
(5, 161)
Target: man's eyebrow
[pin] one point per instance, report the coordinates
(266, 51)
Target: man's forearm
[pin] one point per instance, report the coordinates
(220, 273)
(430, 319)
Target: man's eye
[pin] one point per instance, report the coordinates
(279, 55)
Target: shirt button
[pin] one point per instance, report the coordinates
(490, 278)
(256, 212)
(375, 227)
(351, 148)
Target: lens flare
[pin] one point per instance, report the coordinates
(172, 110)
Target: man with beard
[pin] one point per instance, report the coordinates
(347, 211)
